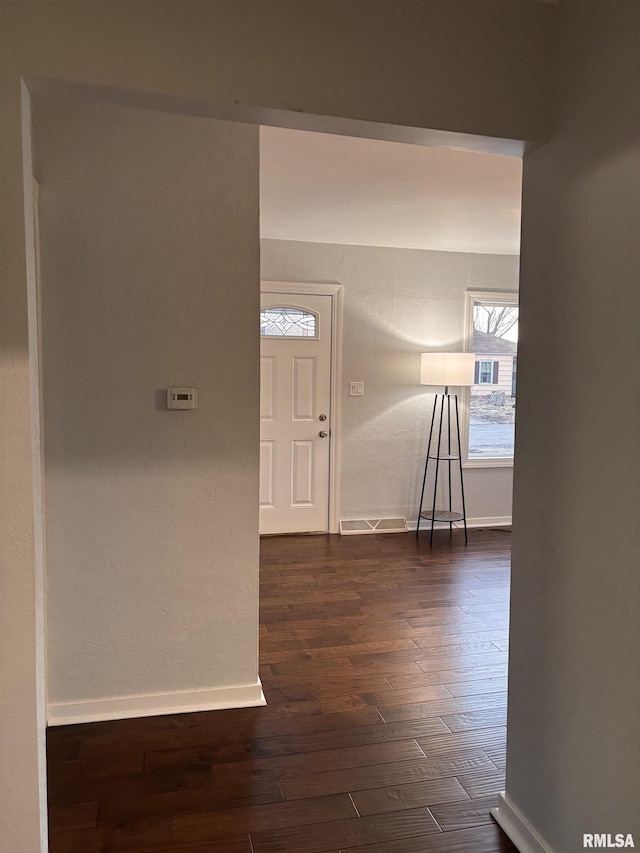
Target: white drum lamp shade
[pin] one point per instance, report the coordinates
(453, 369)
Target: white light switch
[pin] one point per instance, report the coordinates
(356, 389)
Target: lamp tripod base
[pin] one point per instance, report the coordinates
(436, 452)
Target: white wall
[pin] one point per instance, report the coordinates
(397, 303)
(149, 280)
(475, 68)
(573, 756)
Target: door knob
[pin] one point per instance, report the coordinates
(322, 417)
(323, 434)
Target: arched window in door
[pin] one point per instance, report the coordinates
(288, 322)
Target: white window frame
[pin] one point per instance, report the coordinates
(482, 361)
(497, 297)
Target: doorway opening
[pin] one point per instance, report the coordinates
(414, 234)
(381, 327)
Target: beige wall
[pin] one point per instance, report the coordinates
(456, 65)
(573, 753)
(149, 229)
(462, 66)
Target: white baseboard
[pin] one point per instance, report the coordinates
(156, 704)
(490, 521)
(495, 521)
(518, 828)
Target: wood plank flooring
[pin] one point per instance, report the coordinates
(384, 665)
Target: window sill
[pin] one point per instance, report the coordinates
(488, 463)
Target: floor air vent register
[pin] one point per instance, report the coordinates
(373, 525)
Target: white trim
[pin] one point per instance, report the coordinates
(156, 704)
(518, 828)
(497, 296)
(31, 192)
(335, 420)
(293, 119)
(495, 462)
(489, 521)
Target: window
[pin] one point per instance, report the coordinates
(492, 334)
(486, 373)
(282, 322)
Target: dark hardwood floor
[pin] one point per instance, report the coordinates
(384, 665)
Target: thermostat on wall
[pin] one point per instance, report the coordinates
(182, 398)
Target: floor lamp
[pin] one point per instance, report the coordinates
(451, 370)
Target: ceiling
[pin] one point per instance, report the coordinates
(321, 188)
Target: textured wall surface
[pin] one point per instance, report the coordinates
(445, 64)
(573, 758)
(397, 303)
(149, 280)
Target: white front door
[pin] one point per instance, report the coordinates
(295, 394)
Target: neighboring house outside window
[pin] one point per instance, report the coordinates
(495, 359)
(489, 405)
